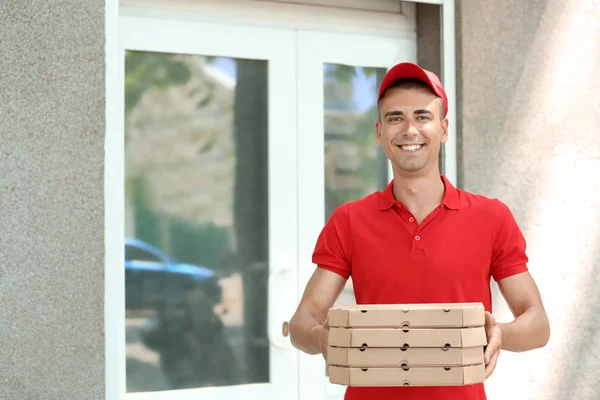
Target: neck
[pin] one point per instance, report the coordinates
(419, 191)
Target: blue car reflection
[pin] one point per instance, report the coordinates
(152, 275)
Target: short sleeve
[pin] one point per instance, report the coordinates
(332, 251)
(508, 247)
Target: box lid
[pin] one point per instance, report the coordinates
(411, 357)
(397, 376)
(407, 337)
(432, 315)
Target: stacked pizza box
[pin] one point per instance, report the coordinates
(407, 344)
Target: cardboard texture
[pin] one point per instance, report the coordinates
(407, 344)
(453, 315)
(411, 357)
(397, 376)
(394, 337)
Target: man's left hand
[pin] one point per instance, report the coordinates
(494, 338)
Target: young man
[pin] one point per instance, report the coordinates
(421, 240)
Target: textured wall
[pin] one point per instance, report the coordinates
(51, 203)
(530, 120)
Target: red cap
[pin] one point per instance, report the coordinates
(411, 70)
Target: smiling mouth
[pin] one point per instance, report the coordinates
(410, 147)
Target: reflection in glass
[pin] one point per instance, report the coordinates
(196, 221)
(355, 165)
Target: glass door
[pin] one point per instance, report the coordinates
(339, 159)
(210, 198)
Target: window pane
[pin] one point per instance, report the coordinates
(355, 165)
(196, 192)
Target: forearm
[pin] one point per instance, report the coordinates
(528, 331)
(302, 332)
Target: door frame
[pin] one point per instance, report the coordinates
(237, 12)
(277, 47)
(296, 15)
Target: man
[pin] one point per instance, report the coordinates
(421, 240)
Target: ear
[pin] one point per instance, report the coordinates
(445, 130)
(378, 132)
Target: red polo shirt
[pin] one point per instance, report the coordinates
(449, 257)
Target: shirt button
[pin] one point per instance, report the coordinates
(417, 237)
(411, 219)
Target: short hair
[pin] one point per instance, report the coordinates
(411, 83)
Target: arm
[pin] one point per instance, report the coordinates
(530, 329)
(332, 255)
(308, 329)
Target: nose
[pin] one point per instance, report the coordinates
(412, 130)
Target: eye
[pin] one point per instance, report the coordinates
(395, 119)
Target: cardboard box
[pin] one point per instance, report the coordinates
(398, 376)
(405, 338)
(436, 315)
(407, 344)
(411, 357)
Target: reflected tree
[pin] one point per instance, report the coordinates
(251, 209)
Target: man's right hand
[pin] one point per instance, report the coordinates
(321, 335)
(309, 329)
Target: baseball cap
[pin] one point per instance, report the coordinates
(411, 70)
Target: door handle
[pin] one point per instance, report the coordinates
(285, 329)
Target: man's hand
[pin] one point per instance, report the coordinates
(530, 329)
(321, 335)
(309, 329)
(494, 338)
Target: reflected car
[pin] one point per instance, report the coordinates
(151, 274)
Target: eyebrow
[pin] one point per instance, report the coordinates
(393, 113)
(423, 111)
(420, 111)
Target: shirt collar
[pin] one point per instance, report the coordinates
(450, 200)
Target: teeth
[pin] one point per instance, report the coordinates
(412, 147)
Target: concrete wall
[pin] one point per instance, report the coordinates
(529, 98)
(52, 97)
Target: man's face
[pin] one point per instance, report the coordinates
(411, 129)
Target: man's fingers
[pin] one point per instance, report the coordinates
(325, 338)
(489, 368)
(486, 356)
(492, 348)
(489, 350)
(493, 340)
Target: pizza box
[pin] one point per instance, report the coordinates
(433, 315)
(407, 337)
(398, 376)
(411, 357)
